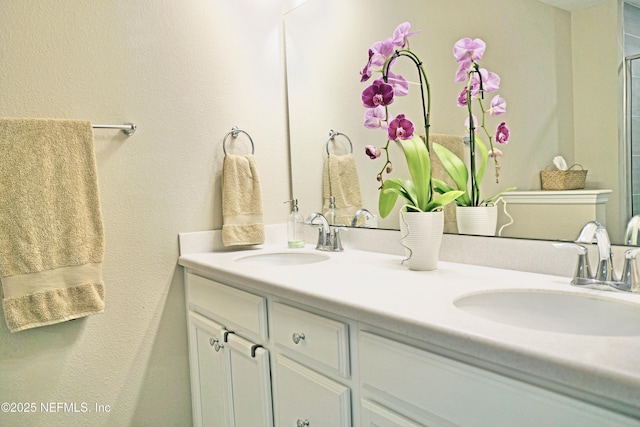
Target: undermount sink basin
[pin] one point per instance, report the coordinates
(562, 312)
(284, 258)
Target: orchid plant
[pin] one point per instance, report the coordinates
(478, 82)
(417, 191)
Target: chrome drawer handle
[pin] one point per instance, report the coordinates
(297, 337)
(302, 423)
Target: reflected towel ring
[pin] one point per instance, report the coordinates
(234, 133)
(333, 134)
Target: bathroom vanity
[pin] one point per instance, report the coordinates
(299, 337)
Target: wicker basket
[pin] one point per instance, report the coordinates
(563, 180)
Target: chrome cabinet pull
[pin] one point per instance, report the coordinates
(215, 343)
(297, 337)
(302, 423)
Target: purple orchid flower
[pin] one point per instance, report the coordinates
(462, 98)
(376, 118)
(400, 128)
(498, 106)
(378, 54)
(475, 123)
(490, 81)
(372, 151)
(495, 153)
(466, 51)
(379, 93)
(401, 33)
(399, 84)
(502, 133)
(365, 74)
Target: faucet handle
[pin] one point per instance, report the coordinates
(336, 242)
(630, 280)
(582, 275)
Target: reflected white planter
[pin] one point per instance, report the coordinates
(478, 220)
(421, 234)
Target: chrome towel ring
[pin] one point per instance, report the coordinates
(333, 134)
(234, 133)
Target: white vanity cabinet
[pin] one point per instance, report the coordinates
(310, 348)
(417, 387)
(259, 359)
(230, 374)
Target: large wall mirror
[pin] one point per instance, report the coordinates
(562, 71)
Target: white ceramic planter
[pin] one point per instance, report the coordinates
(421, 236)
(478, 220)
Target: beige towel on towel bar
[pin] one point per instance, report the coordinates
(340, 179)
(241, 202)
(51, 231)
(455, 143)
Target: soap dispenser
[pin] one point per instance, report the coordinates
(295, 226)
(331, 213)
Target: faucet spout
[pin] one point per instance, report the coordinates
(311, 220)
(359, 212)
(595, 232)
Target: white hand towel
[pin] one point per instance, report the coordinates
(241, 202)
(51, 231)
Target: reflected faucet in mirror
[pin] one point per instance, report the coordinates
(356, 217)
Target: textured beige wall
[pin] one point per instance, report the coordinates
(185, 72)
(597, 68)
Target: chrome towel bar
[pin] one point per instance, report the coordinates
(128, 128)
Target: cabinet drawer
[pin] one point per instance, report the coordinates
(240, 311)
(308, 398)
(374, 415)
(315, 338)
(413, 381)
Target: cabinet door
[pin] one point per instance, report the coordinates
(250, 383)
(209, 373)
(306, 398)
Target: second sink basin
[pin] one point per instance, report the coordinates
(562, 312)
(284, 258)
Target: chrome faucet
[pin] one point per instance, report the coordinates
(594, 232)
(604, 277)
(328, 237)
(359, 212)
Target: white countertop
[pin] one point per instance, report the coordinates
(376, 289)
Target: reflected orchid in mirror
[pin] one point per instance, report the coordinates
(417, 192)
(478, 81)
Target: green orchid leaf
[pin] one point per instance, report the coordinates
(419, 164)
(484, 156)
(442, 187)
(495, 197)
(444, 199)
(455, 167)
(391, 189)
